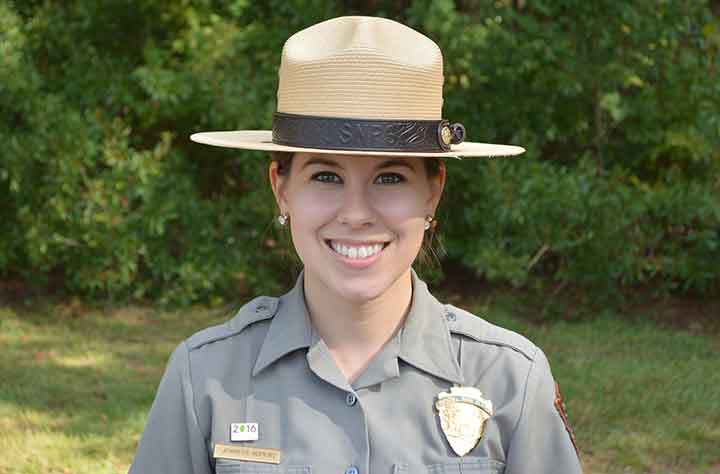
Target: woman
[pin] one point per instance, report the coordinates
(358, 368)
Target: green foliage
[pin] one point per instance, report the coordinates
(103, 194)
(531, 218)
(617, 105)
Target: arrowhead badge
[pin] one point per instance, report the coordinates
(463, 413)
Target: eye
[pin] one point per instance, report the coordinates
(389, 178)
(326, 177)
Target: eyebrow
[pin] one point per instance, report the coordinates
(391, 163)
(383, 165)
(320, 161)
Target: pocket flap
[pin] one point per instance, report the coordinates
(231, 466)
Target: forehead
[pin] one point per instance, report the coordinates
(303, 159)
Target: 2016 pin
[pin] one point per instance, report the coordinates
(244, 431)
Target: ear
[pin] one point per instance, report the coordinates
(437, 185)
(276, 182)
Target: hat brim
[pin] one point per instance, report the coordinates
(262, 140)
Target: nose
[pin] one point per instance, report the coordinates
(356, 209)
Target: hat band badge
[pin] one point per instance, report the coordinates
(463, 412)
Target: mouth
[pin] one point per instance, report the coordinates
(357, 250)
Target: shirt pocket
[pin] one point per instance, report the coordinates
(229, 466)
(475, 466)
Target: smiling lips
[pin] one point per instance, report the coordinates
(357, 254)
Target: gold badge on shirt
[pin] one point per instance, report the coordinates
(463, 413)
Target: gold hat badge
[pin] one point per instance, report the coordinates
(463, 413)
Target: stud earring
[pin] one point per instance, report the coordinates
(283, 218)
(429, 222)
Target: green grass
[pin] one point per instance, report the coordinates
(641, 399)
(76, 385)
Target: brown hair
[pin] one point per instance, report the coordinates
(431, 249)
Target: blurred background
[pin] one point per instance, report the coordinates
(119, 237)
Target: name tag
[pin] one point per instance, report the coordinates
(244, 431)
(247, 453)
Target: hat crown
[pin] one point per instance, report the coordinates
(361, 67)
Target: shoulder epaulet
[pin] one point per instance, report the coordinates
(478, 329)
(258, 309)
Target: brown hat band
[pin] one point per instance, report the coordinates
(349, 134)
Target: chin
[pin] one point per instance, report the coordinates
(359, 291)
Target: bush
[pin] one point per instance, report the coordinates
(104, 195)
(532, 219)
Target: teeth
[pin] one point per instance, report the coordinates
(361, 251)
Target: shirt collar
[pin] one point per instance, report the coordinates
(290, 328)
(424, 341)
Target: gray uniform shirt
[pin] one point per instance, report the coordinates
(268, 366)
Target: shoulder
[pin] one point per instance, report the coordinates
(250, 315)
(482, 332)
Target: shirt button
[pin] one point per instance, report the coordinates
(352, 470)
(350, 400)
(451, 317)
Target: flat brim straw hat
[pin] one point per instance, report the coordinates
(361, 86)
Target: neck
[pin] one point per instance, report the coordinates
(354, 331)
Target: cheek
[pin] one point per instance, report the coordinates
(404, 215)
(309, 212)
(312, 206)
(402, 208)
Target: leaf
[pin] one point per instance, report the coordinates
(612, 104)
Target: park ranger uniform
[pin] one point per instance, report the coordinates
(262, 394)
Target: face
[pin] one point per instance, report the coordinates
(357, 222)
